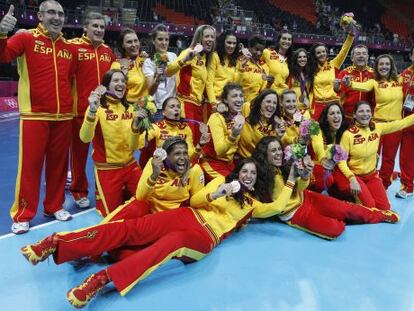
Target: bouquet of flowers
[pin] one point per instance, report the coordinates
(307, 129)
(146, 103)
(348, 23)
(294, 155)
(161, 60)
(334, 153)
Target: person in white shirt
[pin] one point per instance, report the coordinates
(159, 85)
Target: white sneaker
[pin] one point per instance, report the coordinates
(402, 194)
(61, 215)
(20, 227)
(83, 202)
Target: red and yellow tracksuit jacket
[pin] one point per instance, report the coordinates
(323, 91)
(361, 143)
(220, 147)
(137, 83)
(170, 190)
(278, 67)
(250, 77)
(46, 68)
(109, 132)
(350, 97)
(161, 131)
(93, 62)
(218, 75)
(192, 77)
(388, 97)
(251, 135)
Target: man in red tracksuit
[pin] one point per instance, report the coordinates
(46, 65)
(94, 59)
(360, 72)
(407, 141)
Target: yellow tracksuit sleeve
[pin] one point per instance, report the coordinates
(390, 127)
(212, 69)
(220, 135)
(346, 143)
(388, 98)
(87, 131)
(202, 198)
(265, 210)
(318, 146)
(176, 65)
(340, 58)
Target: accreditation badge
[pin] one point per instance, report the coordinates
(409, 102)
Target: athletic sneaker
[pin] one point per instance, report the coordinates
(40, 250)
(79, 296)
(61, 215)
(402, 194)
(390, 216)
(20, 227)
(83, 202)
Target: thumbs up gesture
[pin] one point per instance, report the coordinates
(8, 22)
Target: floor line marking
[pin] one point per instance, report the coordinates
(46, 224)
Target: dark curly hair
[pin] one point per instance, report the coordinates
(255, 115)
(259, 190)
(324, 125)
(294, 69)
(221, 49)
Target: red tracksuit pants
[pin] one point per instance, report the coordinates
(326, 216)
(388, 149)
(112, 184)
(78, 156)
(41, 142)
(167, 235)
(321, 179)
(372, 193)
(406, 160)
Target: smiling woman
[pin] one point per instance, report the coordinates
(107, 124)
(131, 64)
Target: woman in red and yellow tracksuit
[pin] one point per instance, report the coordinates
(189, 234)
(252, 71)
(298, 79)
(358, 176)
(322, 73)
(260, 121)
(277, 60)
(131, 65)
(291, 116)
(312, 212)
(171, 125)
(225, 128)
(165, 184)
(191, 66)
(107, 124)
(222, 68)
(388, 91)
(332, 125)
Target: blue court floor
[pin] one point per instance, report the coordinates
(266, 266)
